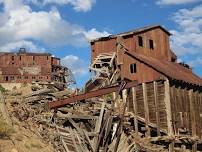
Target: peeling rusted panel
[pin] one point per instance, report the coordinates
(100, 92)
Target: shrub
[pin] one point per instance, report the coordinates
(14, 88)
(24, 84)
(2, 89)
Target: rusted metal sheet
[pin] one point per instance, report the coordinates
(160, 38)
(161, 51)
(169, 69)
(104, 91)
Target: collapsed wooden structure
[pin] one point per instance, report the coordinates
(161, 111)
(165, 104)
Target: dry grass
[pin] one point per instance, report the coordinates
(5, 130)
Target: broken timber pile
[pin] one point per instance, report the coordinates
(125, 116)
(30, 111)
(131, 118)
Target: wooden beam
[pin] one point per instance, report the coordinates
(192, 113)
(119, 50)
(124, 95)
(201, 113)
(156, 107)
(135, 109)
(194, 147)
(168, 107)
(171, 146)
(146, 109)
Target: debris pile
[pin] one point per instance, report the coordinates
(27, 106)
(96, 124)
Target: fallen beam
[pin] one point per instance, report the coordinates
(97, 93)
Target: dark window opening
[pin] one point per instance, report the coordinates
(26, 77)
(47, 77)
(12, 77)
(12, 63)
(20, 57)
(140, 41)
(47, 57)
(33, 77)
(6, 78)
(19, 77)
(133, 68)
(173, 60)
(12, 58)
(33, 57)
(151, 44)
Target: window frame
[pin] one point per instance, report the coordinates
(151, 44)
(133, 68)
(140, 41)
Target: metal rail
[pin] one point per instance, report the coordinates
(97, 93)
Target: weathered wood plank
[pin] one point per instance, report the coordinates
(194, 147)
(192, 113)
(156, 107)
(168, 107)
(171, 146)
(146, 109)
(135, 110)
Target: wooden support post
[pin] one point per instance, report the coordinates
(114, 98)
(201, 113)
(156, 107)
(194, 147)
(119, 50)
(171, 146)
(192, 113)
(135, 109)
(183, 148)
(197, 113)
(146, 109)
(98, 123)
(124, 95)
(168, 107)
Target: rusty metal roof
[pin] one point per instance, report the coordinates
(25, 53)
(135, 31)
(170, 69)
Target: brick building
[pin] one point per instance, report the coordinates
(25, 66)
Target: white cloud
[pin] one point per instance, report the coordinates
(93, 34)
(21, 44)
(78, 66)
(186, 40)
(188, 37)
(78, 5)
(176, 2)
(18, 22)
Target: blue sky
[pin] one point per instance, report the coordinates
(63, 27)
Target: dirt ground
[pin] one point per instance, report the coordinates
(16, 136)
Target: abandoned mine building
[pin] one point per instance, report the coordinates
(168, 95)
(26, 67)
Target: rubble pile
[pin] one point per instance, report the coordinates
(96, 124)
(29, 109)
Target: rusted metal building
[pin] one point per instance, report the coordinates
(168, 97)
(27, 67)
(163, 97)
